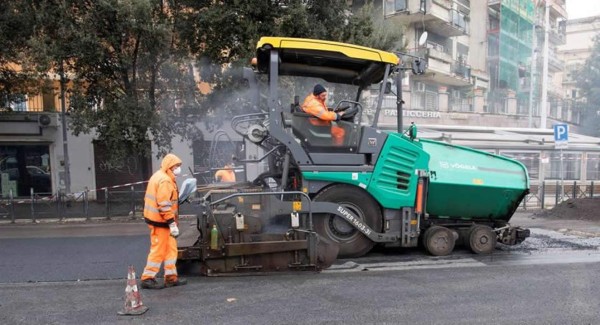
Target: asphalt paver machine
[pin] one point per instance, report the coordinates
(321, 199)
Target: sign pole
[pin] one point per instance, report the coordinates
(561, 141)
(562, 177)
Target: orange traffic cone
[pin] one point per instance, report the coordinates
(133, 298)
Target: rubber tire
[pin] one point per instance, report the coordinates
(443, 237)
(355, 244)
(476, 234)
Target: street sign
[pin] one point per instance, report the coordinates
(561, 136)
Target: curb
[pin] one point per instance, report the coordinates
(137, 219)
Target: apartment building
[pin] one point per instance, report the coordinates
(574, 52)
(484, 62)
(479, 56)
(484, 77)
(557, 22)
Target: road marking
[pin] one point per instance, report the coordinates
(408, 265)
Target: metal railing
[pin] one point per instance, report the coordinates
(461, 70)
(123, 202)
(550, 193)
(129, 202)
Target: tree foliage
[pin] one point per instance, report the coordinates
(588, 81)
(15, 30)
(131, 63)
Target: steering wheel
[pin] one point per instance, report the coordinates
(341, 109)
(350, 113)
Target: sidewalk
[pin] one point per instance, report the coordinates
(566, 226)
(115, 225)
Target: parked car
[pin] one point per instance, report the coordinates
(38, 179)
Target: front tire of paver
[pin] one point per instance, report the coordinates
(352, 242)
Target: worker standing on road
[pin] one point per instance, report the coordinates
(161, 214)
(314, 104)
(227, 174)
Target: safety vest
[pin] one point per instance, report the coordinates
(225, 175)
(315, 107)
(161, 204)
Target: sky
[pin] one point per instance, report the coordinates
(583, 8)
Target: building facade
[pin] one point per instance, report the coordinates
(574, 52)
(482, 67)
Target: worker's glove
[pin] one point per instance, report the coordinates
(174, 230)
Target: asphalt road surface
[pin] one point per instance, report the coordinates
(74, 274)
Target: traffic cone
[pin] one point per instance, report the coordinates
(133, 298)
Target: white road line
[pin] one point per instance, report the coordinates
(409, 265)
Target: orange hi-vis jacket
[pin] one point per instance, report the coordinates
(316, 107)
(225, 175)
(161, 203)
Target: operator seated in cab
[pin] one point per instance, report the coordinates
(314, 104)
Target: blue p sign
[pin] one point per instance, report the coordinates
(561, 133)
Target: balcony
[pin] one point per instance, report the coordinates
(438, 51)
(558, 8)
(554, 63)
(524, 84)
(481, 79)
(557, 36)
(441, 69)
(437, 15)
(494, 4)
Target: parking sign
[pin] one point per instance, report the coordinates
(561, 136)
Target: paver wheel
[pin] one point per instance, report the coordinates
(439, 241)
(351, 241)
(482, 239)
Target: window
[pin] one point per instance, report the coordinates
(25, 167)
(15, 102)
(393, 6)
(522, 106)
(531, 160)
(553, 109)
(424, 97)
(593, 167)
(571, 166)
(460, 20)
(459, 101)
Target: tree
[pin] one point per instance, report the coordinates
(131, 63)
(16, 29)
(588, 81)
(130, 78)
(223, 35)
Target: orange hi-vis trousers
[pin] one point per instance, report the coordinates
(337, 132)
(163, 249)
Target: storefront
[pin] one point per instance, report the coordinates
(24, 167)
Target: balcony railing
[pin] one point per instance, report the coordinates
(459, 20)
(555, 63)
(558, 36)
(461, 70)
(438, 51)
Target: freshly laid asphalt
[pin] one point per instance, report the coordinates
(99, 250)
